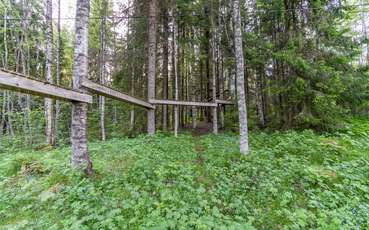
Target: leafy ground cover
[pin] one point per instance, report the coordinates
(291, 180)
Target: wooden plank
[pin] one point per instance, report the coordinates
(224, 102)
(184, 103)
(16, 82)
(108, 92)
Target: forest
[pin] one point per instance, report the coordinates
(184, 114)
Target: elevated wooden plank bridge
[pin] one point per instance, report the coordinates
(24, 84)
(21, 83)
(183, 103)
(111, 93)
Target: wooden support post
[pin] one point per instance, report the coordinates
(108, 92)
(20, 83)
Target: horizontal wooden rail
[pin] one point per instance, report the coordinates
(184, 103)
(224, 102)
(108, 92)
(20, 83)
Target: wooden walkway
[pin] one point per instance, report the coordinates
(191, 103)
(21, 83)
(108, 92)
(183, 103)
(24, 84)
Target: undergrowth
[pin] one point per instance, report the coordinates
(290, 180)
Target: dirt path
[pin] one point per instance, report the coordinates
(202, 128)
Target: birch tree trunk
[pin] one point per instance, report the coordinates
(49, 107)
(5, 92)
(57, 103)
(80, 158)
(222, 74)
(21, 65)
(151, 72)
(242, 110)
(5, 38)
(165, 68)
(9, 107)
(6, 119)
(102, 70)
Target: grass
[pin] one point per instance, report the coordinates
(290, 180)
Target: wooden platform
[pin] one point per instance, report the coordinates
(111, 93)
(20, 83)
(183, 103)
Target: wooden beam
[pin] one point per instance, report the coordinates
(224, 102)
(17, 82)
(184, 103)
(108, 92)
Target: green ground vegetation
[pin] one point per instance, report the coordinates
(291, 180)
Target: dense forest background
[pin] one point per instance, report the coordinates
(303, 165)
(307, 63)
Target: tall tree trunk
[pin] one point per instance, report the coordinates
(102, 69)
(151, 72)
(192, 95)
(214, 76)
(259, 99)
(9, 111)
(21, 66)
(364, 19)
(208, 86)
(132, 113)
(5, 124)
(175, 70)
(49, 107)
(242, 109)
(58, 44)
(5, 38)
(80, 157)
(165, 68)
(221, 90)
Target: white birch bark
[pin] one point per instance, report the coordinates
(57, 102)
(49, 108)
(165, 69)
(102, 69)
(80, 157)
(242, 109)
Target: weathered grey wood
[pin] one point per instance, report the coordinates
(224, 102)
(184, 103)
(20, 83)
(108, 92)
